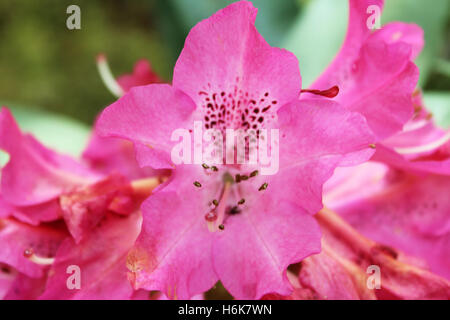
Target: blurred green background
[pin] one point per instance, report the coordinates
(49, 76)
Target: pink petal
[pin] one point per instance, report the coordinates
(7, 276)
(26, 288)
(411, 34)
(85, 207)
(330, 280)
(108, 155)
(173, 251)
(16, 237)
(382, 88)
(148, 115)
(400, 278)
(409, 213)
(101, 258)
(357, 33)
(225, 53)
(251, 257)
(436, 165)
(35, 214)
(313, 129)
(374, 73)
(35, 174)
(142, 75)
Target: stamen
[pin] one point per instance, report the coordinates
(220, 210)
(372, 145)
(205, 166)
(215, 202)
(107, 77)
(263, 186)
(227, 178)
(254, 173)
(221, 227)
(242, 201)
(214, 168)
(30, 255)
(329, 93)
(197, 184)
(427, 147)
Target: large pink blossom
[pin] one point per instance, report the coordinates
(402, 204)
(229, 77)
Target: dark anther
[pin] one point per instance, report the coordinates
(254, 173)
(242, 201)
(214, 168)
(238, 178)
(197, 184)
(263, 186)
(215, 202)
(205, 166)
(244, 177)
(221, 227)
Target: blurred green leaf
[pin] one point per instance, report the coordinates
(57, 132)
(431, 16)
(439, 104)
(273, 21)
(317, 35)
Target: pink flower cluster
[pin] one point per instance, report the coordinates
(362, 184)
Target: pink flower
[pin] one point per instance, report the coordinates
(56, 212)
(374, 71)
(391, 205)
(230, 223)
(377, 78)
(142, 75)
(401, 209)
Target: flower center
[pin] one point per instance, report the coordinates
(236, 109)
(225, 194)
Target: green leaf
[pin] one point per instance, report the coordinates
(57, 132)
(273, 20)
(431, 16)
(316, 36)
(439, 104)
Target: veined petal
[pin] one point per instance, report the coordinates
(17, 237)
(148, 115)
(374, 72)
(35, 174)
(173, 251)
(251, 259)
(101, 259)
(225, 53)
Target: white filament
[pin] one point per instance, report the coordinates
(107, 77)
